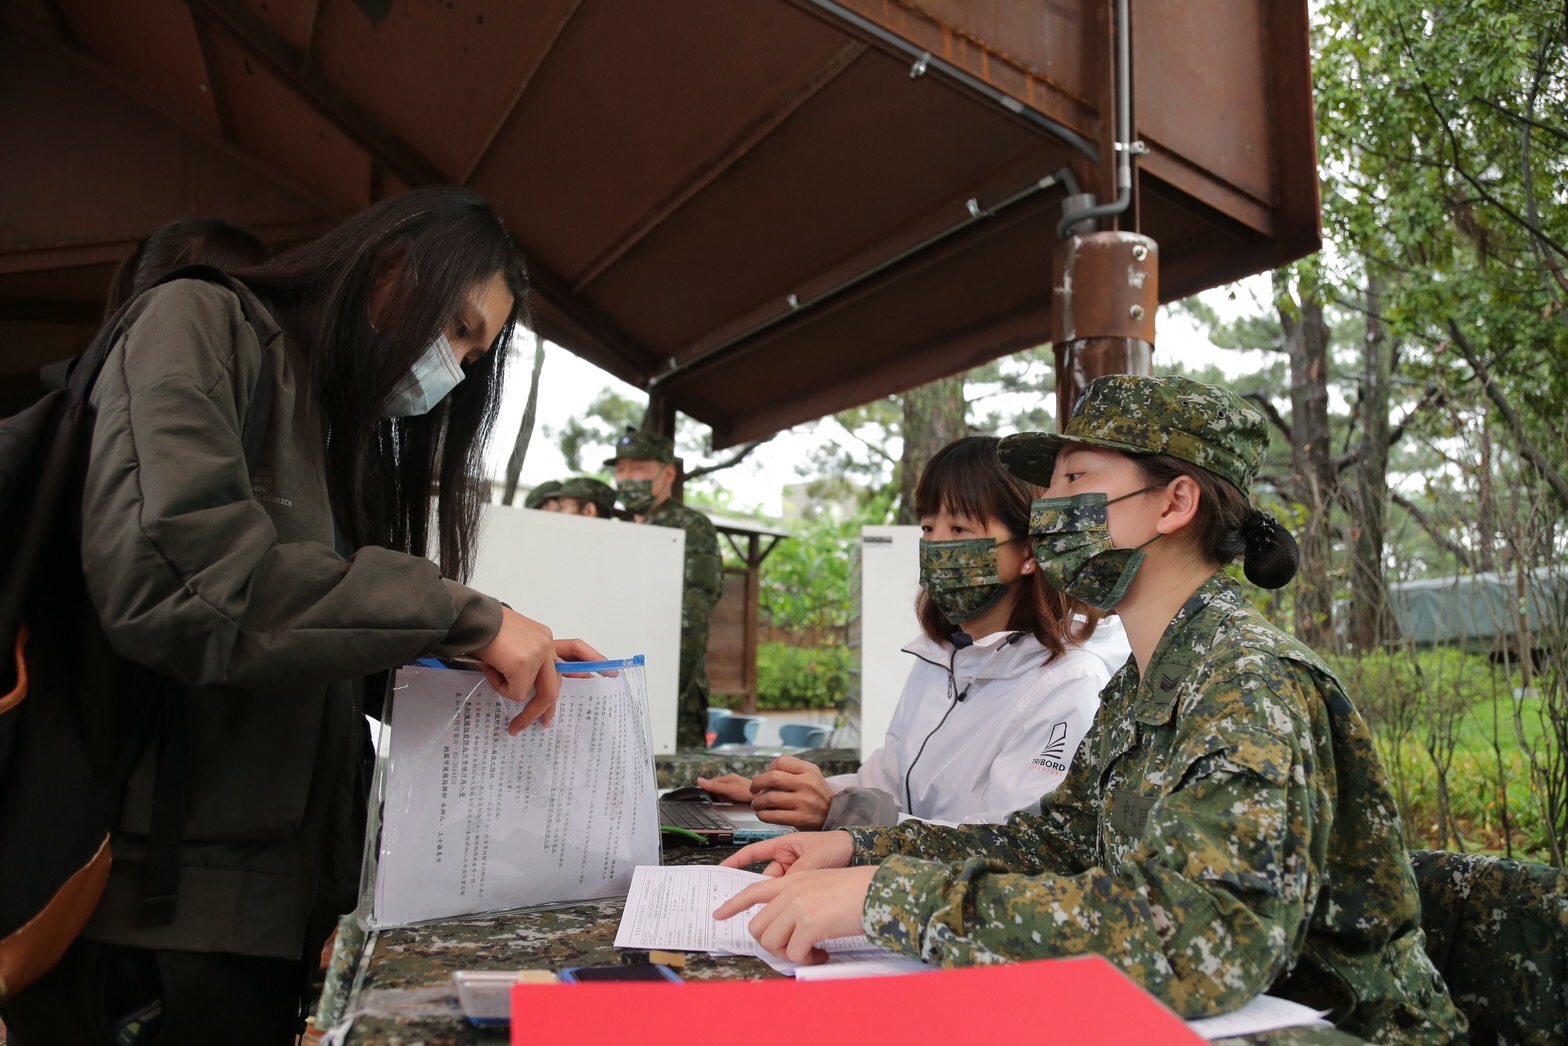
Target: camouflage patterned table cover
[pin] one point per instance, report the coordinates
(405, 992)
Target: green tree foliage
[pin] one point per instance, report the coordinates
(1444, 149)
(791, 677)
(586, 440)
(1444, 139)
(1444, 158)
(857, 459)
(805, 584)
(1442, 723)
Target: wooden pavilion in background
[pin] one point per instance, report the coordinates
(732, 642)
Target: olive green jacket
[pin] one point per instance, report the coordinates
(225, 577)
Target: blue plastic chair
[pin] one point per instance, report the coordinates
(715, 713)
(737, 729)
(805, 735)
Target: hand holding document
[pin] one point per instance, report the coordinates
(476, 820)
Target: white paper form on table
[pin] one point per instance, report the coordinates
(475, 820)
(1264, 1013)
(672, 909)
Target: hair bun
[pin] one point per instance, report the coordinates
(1272, 556)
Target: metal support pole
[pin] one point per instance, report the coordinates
(1106, 288)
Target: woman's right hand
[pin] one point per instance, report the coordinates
(792, 792)
(731, 787)
(520, 665)
(796, 851)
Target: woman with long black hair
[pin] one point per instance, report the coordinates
(272, 460)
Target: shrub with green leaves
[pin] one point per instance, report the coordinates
(1453, 737)
(790, 677)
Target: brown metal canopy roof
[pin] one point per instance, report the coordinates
(763, 210)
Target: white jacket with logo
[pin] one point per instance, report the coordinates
(998, 729)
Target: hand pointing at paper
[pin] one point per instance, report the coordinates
(812, 897)
(804, 908)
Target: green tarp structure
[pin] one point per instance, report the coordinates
(1484, 613)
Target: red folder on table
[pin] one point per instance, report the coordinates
(1080, 1001)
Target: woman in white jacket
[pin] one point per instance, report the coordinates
(1005, 683)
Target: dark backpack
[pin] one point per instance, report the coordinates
(56, 808)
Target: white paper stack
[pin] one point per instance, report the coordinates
(475, 820)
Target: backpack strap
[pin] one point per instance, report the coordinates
(166, 827)
(254, 431)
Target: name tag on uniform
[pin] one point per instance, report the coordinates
(1130, 811)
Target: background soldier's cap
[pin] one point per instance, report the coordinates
(543, 492)
(642, 446)
(586, 488)
(1206, 425)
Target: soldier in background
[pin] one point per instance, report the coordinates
(586, 496)
(543, 496)
(645, 472)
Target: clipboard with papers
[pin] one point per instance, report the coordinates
(466, 819)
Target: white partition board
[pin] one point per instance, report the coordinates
(616, 585)
(889, 583)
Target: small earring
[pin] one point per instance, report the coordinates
(1028, 566)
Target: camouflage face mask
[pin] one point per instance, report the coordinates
(1072, 544)
(636, 495)
(963, 578)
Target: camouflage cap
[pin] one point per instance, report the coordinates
(1207, 425)
(640, 445)
(586, 488)
(543, 492)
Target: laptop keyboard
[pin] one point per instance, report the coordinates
(696, 817)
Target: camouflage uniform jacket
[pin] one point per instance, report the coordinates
(1226, 829)
(703, 586)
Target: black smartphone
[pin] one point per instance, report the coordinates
(642, 971)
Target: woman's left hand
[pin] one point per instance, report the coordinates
(804, 908)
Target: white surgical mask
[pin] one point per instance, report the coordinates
(434, 374)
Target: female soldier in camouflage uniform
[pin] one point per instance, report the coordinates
(1226, 829)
